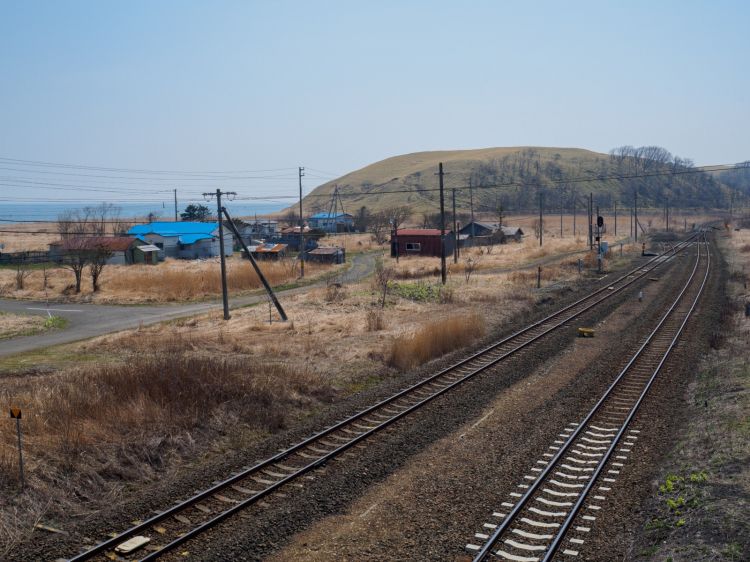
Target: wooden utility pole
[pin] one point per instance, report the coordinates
(615, 234)
(222, 257)
(471, 204)
(575, 206)
(443, 267)
(667, 214)
(301, 172)
(541, 217)
(455, 229)
(175, 205)
(635, 213)
(561, 211)
(591, 224)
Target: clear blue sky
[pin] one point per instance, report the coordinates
(247, 85)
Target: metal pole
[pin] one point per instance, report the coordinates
(455, 229)
(443, 270)
(20, 453)
(301, 172)
(224, 291)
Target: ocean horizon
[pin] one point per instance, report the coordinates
(163, 210)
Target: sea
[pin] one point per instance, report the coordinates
(48, 211)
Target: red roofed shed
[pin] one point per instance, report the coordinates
(420, 242)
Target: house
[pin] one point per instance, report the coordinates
(185, 240)
(420, 242)
(478, 228)
(290, 237)
(477, 233)
(327, 254)
(512, 233)
(119, 250)
(332, 222)
(268, 251)
(261, 229)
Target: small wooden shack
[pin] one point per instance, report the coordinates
(327, 254)
(420, 242)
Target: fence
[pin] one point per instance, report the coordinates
(16, 258)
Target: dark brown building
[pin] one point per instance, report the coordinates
(420, 242)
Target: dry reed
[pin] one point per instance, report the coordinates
(435, 339)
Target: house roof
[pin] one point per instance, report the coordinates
(192, 238)
(317, 216)
(111, 243)
(420, 232)
(325, 250)
(512, 230)
(168, 229)
(148, 248)
(268, 248)
(487, 225)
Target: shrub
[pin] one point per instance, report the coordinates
(374, 320)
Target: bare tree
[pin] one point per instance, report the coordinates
(22, 272)
(383, 276)
(290, 218)
(99, 255)
(75, 256)
(470, 266)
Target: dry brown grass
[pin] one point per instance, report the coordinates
(374, 320)
(17, 324)
(435, 339)
(171, 281)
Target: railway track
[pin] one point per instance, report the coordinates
(190, 518)
(558, 501)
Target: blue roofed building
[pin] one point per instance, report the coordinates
(332, 222)
(184, 240)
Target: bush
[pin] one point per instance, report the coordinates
(374, 319)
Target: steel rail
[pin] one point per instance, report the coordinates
(111, 543)
(521, 502)
(575, 510)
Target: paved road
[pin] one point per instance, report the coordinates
(89, 320)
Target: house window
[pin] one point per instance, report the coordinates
(413, 247)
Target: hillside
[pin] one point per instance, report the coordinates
(410, 175)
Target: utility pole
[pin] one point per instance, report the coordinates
(222, 257)
(575, 206)
(455, 228)
(443, 270)
(301, 172)
(561, 211)
(615, 219)
(598, 240)
(635, 214)
(667, 214)
(591, 225)
(175, 205)
(471, 203)
(541, 218)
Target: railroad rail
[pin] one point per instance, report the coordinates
(559, 493)
(189, 518)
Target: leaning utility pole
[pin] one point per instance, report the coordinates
(443, 270)
(455, 228)
(175, 205)
(301, 172)
(222, 257)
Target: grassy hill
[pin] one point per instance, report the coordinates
(411, 175)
